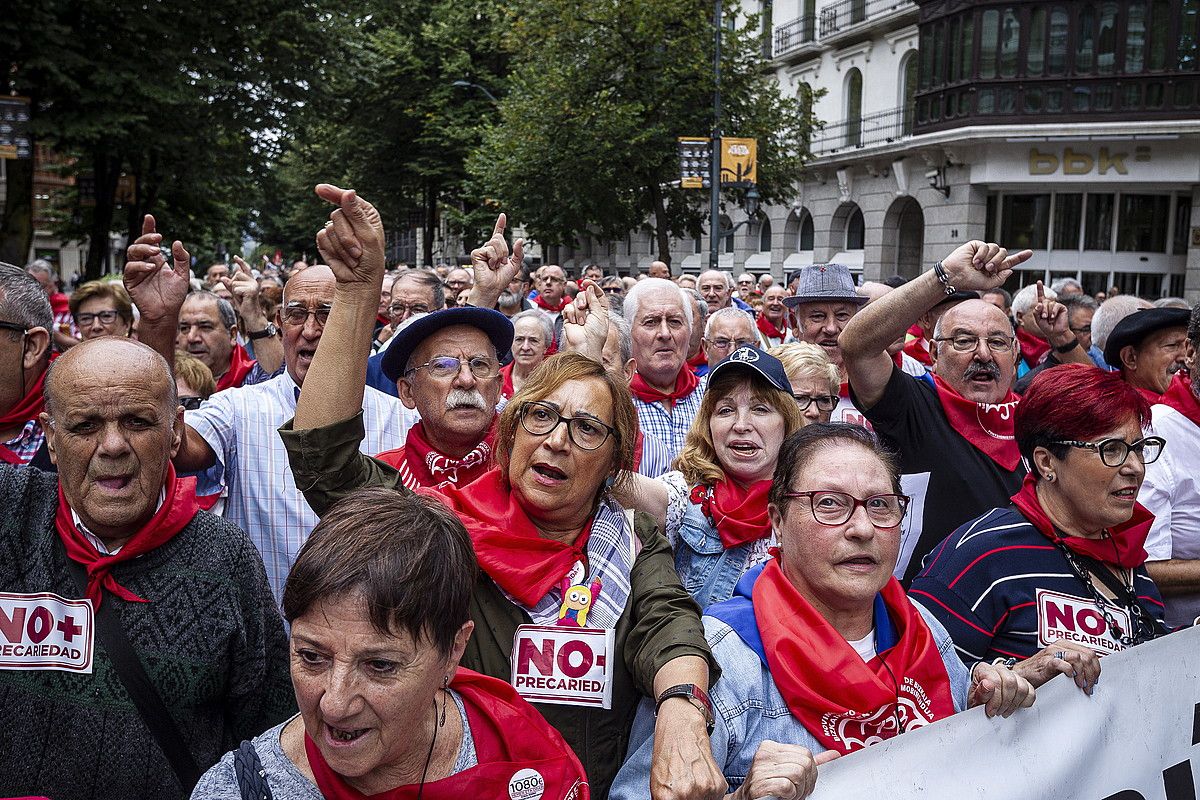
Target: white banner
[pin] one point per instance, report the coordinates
(1133, 739)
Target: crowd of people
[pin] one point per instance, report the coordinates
(341, 530)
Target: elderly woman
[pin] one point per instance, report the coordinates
(1062, 571)
(814, 379)
(102, 308)
(533, 332)
(820, 647)
(378, 602)
(714, 507)
(568, 577)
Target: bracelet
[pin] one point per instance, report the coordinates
(940, 272)
(1007, 663)
(1068, 347)
(694, 694)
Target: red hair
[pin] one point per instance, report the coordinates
(1075, 401)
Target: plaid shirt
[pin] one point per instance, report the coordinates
(241, 425)
(26, 443)
(671, 427)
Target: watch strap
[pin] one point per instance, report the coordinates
(266, 332)
(1068, 347)
(696, 695)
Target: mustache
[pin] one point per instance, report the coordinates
(1177, 366)
(981, 368)
(459, 398)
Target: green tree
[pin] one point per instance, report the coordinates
(598, 95)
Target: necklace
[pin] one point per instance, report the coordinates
(1142, 630)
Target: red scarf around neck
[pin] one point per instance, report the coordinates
(29, 406)
(1033, 348)
(1179, 396)
(685, 383)
(240, 365)
(552, 308)
(494, 714)
(697, 361)
(1151, 396)
(1124, 546)
(507, 543)
(176, 512)
(768, 328)
(739, 514)
(987, 426)
(916, 348)
(430, 467)
(507, 390)
(845, 702)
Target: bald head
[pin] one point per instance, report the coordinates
(659, 269)
(109, 361)
(318, 276)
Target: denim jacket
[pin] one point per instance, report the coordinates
(750, 710)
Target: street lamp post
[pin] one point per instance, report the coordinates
(469, 85)
(714, 224)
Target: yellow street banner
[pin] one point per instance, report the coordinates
(739, 161)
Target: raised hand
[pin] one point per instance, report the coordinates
(981, 266)
(1052, 319)
(351, 242)
(158, 290)
(585, 322)
(244, 289)
(494, 268)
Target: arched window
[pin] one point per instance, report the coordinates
(764, 235)
(805, 242)
(727, 224)
(804, 94)
(909, 91)
(854, 107)
(855, 233)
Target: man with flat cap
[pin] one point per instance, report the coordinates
(139, 640)
(1148, 347)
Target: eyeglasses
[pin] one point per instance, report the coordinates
(191, 403)
(449, 366)
(966, 342)
(105, 317)
(825, 402)
(1085, 329)
(404, 309)
(1114, 452)
(613, 289)
(836, 508)
(727, 344)
(298, 315)
(12, 326)
(587, 433)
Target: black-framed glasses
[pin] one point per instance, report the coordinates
(825, 402)
(1114, 452)
(404, 309)
(836, 508)
(105, 317)
(298, 314)
(191, 403)
(449, 366)
(613, 289)
(731, 344)
(966, 342)
(586, 432)
(12, 326)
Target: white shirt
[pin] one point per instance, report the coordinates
(241, 426)
(95, 540)
(1171, 492)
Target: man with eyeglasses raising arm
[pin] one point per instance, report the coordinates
(233, 434)
(958, 457)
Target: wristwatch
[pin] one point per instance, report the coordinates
(265, 333)
(696, 695)
(1068, 347)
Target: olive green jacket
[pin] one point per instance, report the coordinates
(660, 621)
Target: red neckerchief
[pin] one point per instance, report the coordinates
(768, 328)
(507, 390)
(29, 406)
(1123, 547)
(381, 320)
(987, 426)
(1033, 348)
(509, 548)
(9, 457)
(841, 700)
(844, 390)
(430, 467)
(917, 349)
(1151, 396)
(494, 713)
(639, 441)
(898, 360)
(685, 383)
(697, 361)
(553, 309)
(59, 303)
(240, 365)
(1179, 396)
(176, 512)
(739, 514)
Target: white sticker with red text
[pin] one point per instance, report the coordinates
(1062, 616)
(563, 665)
(45, 631)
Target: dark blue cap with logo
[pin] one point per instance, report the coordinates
(751, 359)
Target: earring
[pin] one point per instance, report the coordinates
(1050, 477)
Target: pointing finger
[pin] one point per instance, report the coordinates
(330, 193)
(501, 222)
(148, 224)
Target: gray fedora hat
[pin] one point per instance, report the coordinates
(824, 283)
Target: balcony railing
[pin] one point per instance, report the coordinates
(831, 20)
(882, 127)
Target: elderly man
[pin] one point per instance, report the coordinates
(43, 272)
(1080, 310)
(1171, 490)
(552, 292)
(697, 358)
(659, 269)
(650, 456)
(25, 323)
(765, 281)
(456, 280)
(213, 275)
(385, 300)
(233, 434)
(142, 641)
(414, 292)
(772, 322)
(1148, 347)
(717, 287)
(1034, 347)
(955, 439)
(725, 331)
(745, 285)
(208, 331)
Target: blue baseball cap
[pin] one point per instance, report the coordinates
(497, 327)
(750, 359)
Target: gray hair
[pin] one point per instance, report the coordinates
(1171, 302)
(730, 312)
(1062, 283)
(40, 266)
(225, 309)
(729, 282)
(701, 307)
(542, 319)
(1077, 301)
(1112, 311)
(1026, 299)
(22, 300)
(428, 279)
(624, 338)
(634, 297)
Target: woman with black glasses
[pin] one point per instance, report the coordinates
(1058, 578)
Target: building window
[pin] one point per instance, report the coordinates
(989, 31)
(696, 246)
(1183, 223)
(1097, 234)
(805, 243)
(1035, 59)
(926, 50)
(1160, 26)
(1142, 229)
(1024, 220)
(855, 233)
(1056, 59)
(967, 51)
(908, 92)
(1010, 43)
(1189, 35)
(1086, 36)
(1106, 39)
(1135, 37)
(854, 108)
(1068, 214)
(764, 235)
